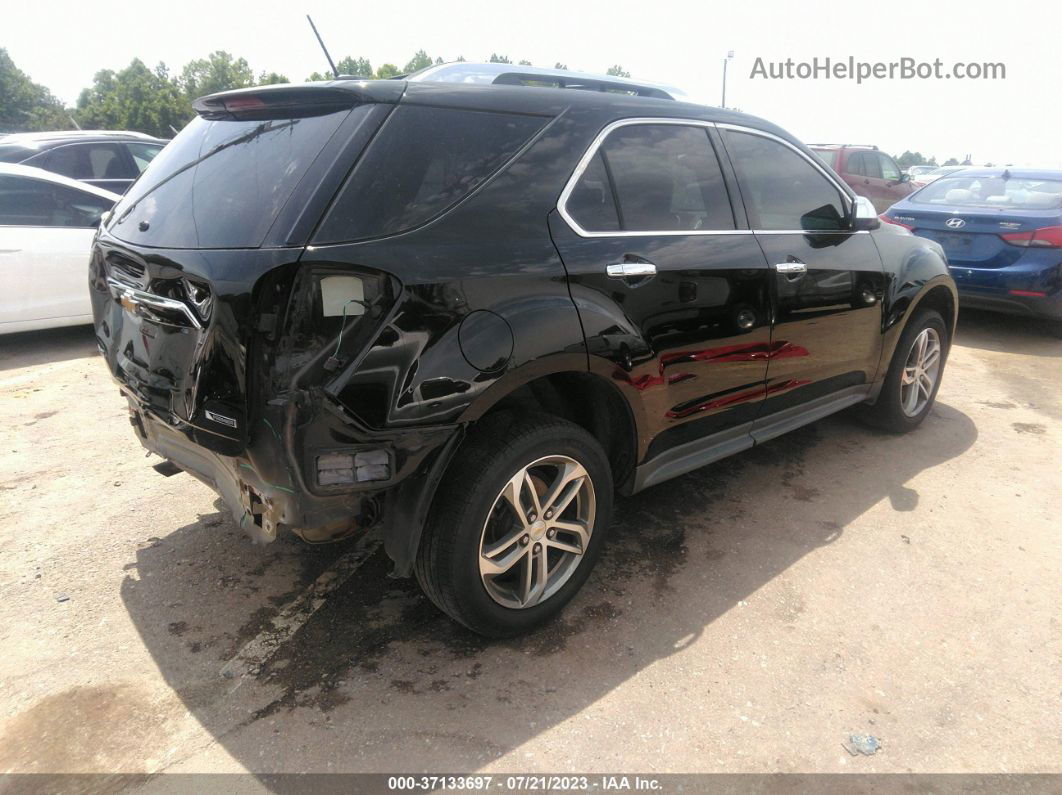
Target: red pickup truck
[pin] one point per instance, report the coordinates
(868, 171)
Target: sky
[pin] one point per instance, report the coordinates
(1012, 120)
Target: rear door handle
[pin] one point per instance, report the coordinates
(791, 268)
(627, 270)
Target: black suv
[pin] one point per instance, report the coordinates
(110, 160)
(467, 314)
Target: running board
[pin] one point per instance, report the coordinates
(700, 452)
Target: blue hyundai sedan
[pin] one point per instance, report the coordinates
(1001, 229)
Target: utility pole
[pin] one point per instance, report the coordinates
(729, 57)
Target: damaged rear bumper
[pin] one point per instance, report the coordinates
(273, 487)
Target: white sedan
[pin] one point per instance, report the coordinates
(46, 226)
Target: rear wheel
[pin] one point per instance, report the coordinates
(517, 524)
(914, 375)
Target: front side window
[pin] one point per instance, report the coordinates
(653, 178)
(783, 190)
(33, 202)
(422, 162)
(873, 165)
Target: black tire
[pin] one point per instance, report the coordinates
(887, 412)
(448, 560)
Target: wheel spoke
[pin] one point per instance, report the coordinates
(931, 358)
(511, 493)
(911, 399)
(923, 340)
(908, 375)
(491, 565)
(576, 529)
(564, 489)
(539, 575)
(925, 383)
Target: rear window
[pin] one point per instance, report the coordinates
(221, 184)
(423, 161)
(1013, 194)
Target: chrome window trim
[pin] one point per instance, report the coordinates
(591, 152)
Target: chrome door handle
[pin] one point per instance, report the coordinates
(791, 268)
(627, 270)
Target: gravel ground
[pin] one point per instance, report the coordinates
(747, 617)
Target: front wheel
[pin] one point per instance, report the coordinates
(517, 524)
(914, 375)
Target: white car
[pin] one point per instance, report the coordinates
(46, 227)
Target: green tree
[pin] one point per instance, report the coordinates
(951, 161)
(25, 105)
(271, 78)
(495, 58)
(135, 98)
(419, 61)
(560, 65)
(359, 67)
(908, 159)
(617, 71)
(526, 63)
(219, 71)
(387, 70)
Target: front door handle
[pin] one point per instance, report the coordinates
(629, 270)
(791, 268)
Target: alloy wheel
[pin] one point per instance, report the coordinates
(920, 372)
(537, 531)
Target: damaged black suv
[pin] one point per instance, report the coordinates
(465, 314)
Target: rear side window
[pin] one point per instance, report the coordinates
(855, 164)
(33, 202)
(222, 183)
(664, 178)
(422, 161)
(782, 190)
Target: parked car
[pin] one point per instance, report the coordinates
(466, 314)
(46, 228)
(916, 171)
(1001, 229)
(924, 179)
(110, 160)
(868, 172)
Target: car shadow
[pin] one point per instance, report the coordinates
(28, 348)
(378, 679)
(994, 331)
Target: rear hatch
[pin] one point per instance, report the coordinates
(200, 254)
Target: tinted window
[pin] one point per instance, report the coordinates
(782, 190)
(889, 169)
(421, 162)
(88, 161)
(854, 164)
(591, 203)
(33, 202)
(143, 154)
(221, 184)
(667, 178)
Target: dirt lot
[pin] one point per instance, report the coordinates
(747, 617)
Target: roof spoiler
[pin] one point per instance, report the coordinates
(586, 84)
(287, 101)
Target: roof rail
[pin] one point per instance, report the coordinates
(513, 75)
(849, 146)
